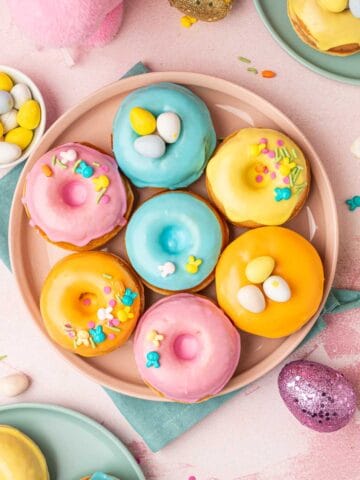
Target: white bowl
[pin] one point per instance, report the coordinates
(19, 77)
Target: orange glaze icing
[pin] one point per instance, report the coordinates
(296, 261)
(90, 303)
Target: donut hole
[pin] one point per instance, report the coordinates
(74, 193)
(186, 346)
(174, 239)
(88, 303)
(258, 175)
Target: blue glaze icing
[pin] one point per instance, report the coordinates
(184, 161)
(169, 228)
(102, 476)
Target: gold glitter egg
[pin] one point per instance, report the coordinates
(206, 10)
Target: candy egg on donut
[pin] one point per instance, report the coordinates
(185, 348)
(258, 177)
(76, 198)
(269, 281)
(90, 303)
(163, 136)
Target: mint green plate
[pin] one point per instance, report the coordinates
(274, 15)
(74, 445)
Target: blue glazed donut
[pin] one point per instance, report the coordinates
(174, 241)
(184, 161)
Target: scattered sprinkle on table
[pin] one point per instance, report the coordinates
(252, 70)
(353, 203)
(244, 60)
(268, 74)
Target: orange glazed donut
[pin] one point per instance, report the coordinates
(269, 281)
(90, 303)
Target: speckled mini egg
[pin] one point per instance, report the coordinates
(9, 120)
(142, 121)
(277, 289)
(9, 152)
(20, 136)
(354, 6)
(150, 146)
(251, 298)
(21, 93)
(259, 269)
(29, 115)
(6, 101)
(318, 396)
(168, 126)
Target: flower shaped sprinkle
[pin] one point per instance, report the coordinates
(82, 338)
(193, 264)
(104, 314)
(286, 165)
(125, 314)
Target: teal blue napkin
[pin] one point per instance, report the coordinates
(158, 423)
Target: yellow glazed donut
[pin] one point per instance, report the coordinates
(90, 303)
(20, 457)
(326, 25)
(269, 281)
(258, 177)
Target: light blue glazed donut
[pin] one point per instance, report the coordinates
(168, 229)
(102, 476)
(184, 161)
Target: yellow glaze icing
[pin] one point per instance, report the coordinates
(296, 261)
(328, 29)
(231, 177)
(20, 457)
(335, 6)
(76, 297)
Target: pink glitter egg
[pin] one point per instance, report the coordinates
(107, 289)
(280, 143)
(112, 303)
(319, 397)
(105, 199)
(91, 324)
(259, 178)
(286, 180)
(104, 168)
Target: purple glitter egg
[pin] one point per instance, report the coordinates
(318, 396)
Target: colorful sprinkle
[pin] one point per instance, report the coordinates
(46, 170)
(91, 324)
(114, 322)
(128, 297)
(107, 276)
(101, 182)
(282, 193)
(268, 74)
(353, 203)
(266, 170)
(263, 140)
(154, 337)
(97, 334)
(272, 175)
(259, 178)
(252, 70)
(104, 168)
(265, 151)
(107, 290)
(82, 338)
(53, 160)
(112, 303)
(84, 169)
(153, 360)
(280, 143)
(125, 314)
(86, 301)
(244, 60)
(111, 336)
(168, 268)
(96, 164)
(187, 22)
(286, 180)
(271, 154)
(193, 264)
(100, 195)
(105, 314)
(105, 199)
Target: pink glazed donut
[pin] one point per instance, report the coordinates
(75, 197)
(186, 348)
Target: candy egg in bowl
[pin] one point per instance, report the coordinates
(22, 116)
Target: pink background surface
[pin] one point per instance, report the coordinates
(252, 437)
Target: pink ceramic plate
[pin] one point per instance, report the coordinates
(232, 107)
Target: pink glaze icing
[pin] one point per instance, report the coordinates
(64, 205)
(198, 354)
